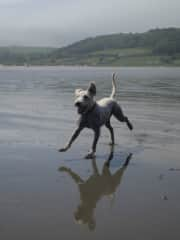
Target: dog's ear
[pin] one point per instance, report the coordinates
(92, 89)
(78, 92)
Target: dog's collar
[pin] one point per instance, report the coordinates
(91, 109)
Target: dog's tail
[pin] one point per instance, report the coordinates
(113, 86)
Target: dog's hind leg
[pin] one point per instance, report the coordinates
(108, 125)
(119, 115)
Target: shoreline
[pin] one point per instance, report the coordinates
(89, 66)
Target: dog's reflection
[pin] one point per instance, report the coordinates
(94, 188)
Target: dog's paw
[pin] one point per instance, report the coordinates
(90, 155)
(63, 149)
(111, 144)
(130, 126)
(107, 164)
(63, 169)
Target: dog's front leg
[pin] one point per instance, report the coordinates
(74, 136)
(96, 137)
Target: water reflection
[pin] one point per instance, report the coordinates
(94, 188)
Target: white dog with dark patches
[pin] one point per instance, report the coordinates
(96, 114)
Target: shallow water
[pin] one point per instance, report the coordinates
(46, 194)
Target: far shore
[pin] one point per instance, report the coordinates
(89, 66)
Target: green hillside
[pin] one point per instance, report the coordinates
(155, 47)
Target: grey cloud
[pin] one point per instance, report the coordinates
(60, 22)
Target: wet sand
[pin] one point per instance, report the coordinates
(50, 195)
(46, 195)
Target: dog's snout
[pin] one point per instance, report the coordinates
(77, 104)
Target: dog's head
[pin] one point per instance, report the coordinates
(85, 98)
(85, 215)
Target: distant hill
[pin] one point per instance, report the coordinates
(153, 48)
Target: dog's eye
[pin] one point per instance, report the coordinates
(86, 97)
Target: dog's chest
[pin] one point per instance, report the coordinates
(90, 120)
(95, 119)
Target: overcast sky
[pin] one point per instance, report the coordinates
(61, 22)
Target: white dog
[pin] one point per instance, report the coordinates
(96, 114)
